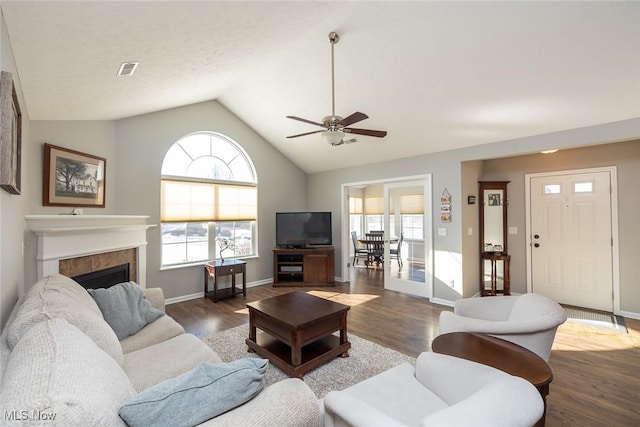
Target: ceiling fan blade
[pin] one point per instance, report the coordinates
(354, 118)
(306, 133)
(305, 120)
(367, 132)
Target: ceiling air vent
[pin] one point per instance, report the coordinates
(127, 68)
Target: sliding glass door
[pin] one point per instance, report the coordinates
(407, 236)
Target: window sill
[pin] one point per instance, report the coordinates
(201, 263)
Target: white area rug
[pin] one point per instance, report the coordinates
(365, 360)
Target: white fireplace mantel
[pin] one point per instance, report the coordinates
(71, 236)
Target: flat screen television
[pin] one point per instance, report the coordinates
(301, 229)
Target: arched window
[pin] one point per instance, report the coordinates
(208, 200)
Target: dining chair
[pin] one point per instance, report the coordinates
(375, 248)
(358, 252)
(395, 253)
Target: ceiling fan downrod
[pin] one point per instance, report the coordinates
(333, 39)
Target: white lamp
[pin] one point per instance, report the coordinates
(333, 137)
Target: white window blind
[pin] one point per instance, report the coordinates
(184, 201)
(412, 204)
(355, 205)
(374, 205)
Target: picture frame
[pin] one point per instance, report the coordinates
(72, 178)
(494, 199)
(10, 136)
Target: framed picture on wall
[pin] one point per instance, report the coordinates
(72, 178)
(10, 135)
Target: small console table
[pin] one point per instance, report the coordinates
(494, 258)
(228, 267)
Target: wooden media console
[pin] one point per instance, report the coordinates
(303, 267)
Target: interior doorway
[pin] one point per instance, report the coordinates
(400, 208)
(572, 230)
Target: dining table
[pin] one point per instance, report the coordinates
(377, 257)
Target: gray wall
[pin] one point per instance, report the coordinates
(12, 207)
(324, 192)
(134, 149)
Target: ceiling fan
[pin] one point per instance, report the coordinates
(335, 127)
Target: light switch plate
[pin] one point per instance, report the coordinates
(513, 230)
(442, 231)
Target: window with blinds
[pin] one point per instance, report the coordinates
(370, 209)
(208, 194)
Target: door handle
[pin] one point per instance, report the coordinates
(536, 236)
(536, 245)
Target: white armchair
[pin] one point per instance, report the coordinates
(440, 391)
(529, 320)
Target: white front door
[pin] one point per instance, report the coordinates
(571, 240)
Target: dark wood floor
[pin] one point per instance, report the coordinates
(596, 371)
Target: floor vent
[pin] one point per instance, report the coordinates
(596, 318)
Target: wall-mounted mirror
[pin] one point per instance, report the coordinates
(493, 216)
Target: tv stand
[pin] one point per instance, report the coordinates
(309, 266)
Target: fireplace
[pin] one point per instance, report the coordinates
(104, 278)
(78, 244)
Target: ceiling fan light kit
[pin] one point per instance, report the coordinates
(333, 137)
(334, 126)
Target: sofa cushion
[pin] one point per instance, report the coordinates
(57, 371)
(155, 332)
(397, 393)
(125, 308)
(289, 402)
(153, 364)
(58, 296)
(196, 396)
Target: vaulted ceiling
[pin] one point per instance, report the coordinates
(435, 75)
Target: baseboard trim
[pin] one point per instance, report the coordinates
(629, 314)
(440, 301)
(197, 295)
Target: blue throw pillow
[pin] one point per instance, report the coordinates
(196, 396)
(125, 308)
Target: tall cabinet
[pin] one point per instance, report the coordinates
(494, 256)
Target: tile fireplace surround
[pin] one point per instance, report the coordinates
(66, 237)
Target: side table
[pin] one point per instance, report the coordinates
(494, 258)
(229, 267)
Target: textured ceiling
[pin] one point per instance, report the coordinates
(435, 75)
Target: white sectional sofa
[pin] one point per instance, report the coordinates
(60, 359)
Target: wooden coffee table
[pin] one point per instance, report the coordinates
(298, 331)
(500, 354)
